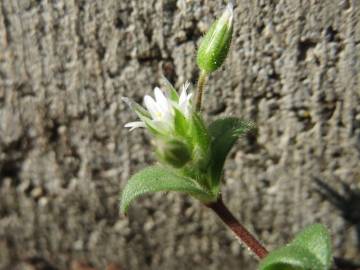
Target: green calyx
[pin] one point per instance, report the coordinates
(174, 152)
(215, 45)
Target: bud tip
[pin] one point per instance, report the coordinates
(215, 44)
(230, 7)
(229, 11)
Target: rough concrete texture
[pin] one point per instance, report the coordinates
(293, 69)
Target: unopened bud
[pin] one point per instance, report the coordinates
(215, 44)
(174, 152)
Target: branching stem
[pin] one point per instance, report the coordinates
(240, 231)
(200, 89)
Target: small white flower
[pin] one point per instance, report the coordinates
(160, 112)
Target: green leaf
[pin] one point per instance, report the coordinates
(156, 178)
(224, 133)
(310, 250)
(316, 239)
(291, 257)
(200, 140)
(181, 124)
(199, 131)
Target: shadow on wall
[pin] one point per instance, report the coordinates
(348, 205)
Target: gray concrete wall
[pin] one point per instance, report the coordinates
(293, 69)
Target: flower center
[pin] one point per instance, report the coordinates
(159, 114)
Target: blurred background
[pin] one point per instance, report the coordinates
(293, 69)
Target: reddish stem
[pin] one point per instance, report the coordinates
(240, 231)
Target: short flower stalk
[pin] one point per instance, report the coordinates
(200, 90)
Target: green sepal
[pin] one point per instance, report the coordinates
(173, 152)
(143, 114)
(181, 123)
(224, 133)
(140, 111)
(149, 125)
(172, 93)
(200, 140)
(158, 178)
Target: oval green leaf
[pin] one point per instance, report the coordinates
(291, 257)
(224, 133)
(316, 239)
(156, 178)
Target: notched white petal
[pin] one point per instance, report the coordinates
(182, 96)
(133, 125)
(161, 100)
(186, 85)
(151, 106)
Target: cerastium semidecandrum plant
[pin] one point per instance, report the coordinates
(192, 153)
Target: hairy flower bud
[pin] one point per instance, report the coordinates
(215, 44)
(174, 152)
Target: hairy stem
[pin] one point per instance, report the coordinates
(200, 89)
(240, 231)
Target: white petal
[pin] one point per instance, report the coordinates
(183, 94)
(162, 126)
(185, 101)
(186, 111)
(168, 117)
(133, 125)
(152, 107)
(186, 85)
(161, 100)
(189, 96)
